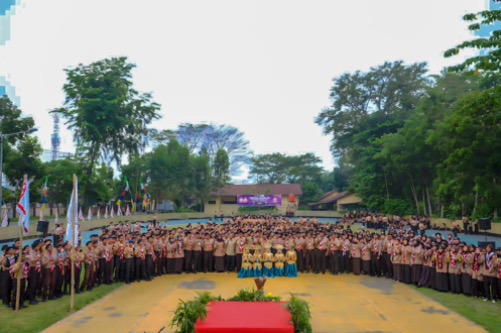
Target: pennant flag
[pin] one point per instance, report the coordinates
(119, 201)
(23, 207)
(146, 195)
(80, 214)
(5, 220)
(98, 212)
(89, 215)
(119, 211)
(106, 212)
(72, 220)
(42, 211)
(126, 185)
(112, 212)
(57, 215)
(127, 212)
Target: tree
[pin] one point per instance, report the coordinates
(210, 138)
(23, 159)
(60, 176)
(221, 170)
(109, 118)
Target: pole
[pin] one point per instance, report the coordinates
(75, 239)
(1, 172)
(18, 290)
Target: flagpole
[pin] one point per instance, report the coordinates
(72, 290)
(18, 290)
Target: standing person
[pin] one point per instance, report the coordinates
(490, 274)
(58, 277)
(477, 279)
(427, 267)
(140, 260)
(48, 272)
(442, 264)
(334, 253)
(35, 271)
(230, 253)
(366, 256)
(171, 257)
(19, 269)
(300, 255)
(454, 270)
(219, 252)
(375, 246)
(239, 250)
(78, 256)
(118, 259)
(386, 253)
(154, 218)
(197, 254)
(189, 242)
(466, 259)
(321, 246)
(396, 261)
(88, 266)
(179, 255)
(406, 261)
(344, 254)
(128, 254)
(356, 255)
(148, 246)
(246, 269)
(100, 252)
(309, 254)
(290, 263)
(417, 258)
(8, 261)
(208, 250)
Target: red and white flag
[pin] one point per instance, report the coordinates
(80, 214)
(57, 215)
(98, 212)
(89, 214)
(119, 211)
(106, 212)
(127, 212)
(112, 212)
(23, 208)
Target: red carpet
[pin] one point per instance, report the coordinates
(245, 317)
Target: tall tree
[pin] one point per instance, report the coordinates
(107, 115)
(221, 170)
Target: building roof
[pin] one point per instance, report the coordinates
(282, 189)
(329, 197)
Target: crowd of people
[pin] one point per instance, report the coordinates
(251, 246)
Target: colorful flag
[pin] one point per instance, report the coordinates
(5, 219)
(80, 214)
(23, 207)
(119, 211)
(106, 212)
(127, 212)
(126, 184)
(89, 215)
(98, 212)
(72, 218)
(112, 212)
(42, 211)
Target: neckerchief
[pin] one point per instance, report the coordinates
(121, 251)
(180, 247)
(453, 260)
(353, 247)
(475, 262)
(59, 262)
(38, 266)
(363, 249)
(413, 256)
(488, 259)
(403, 254)
(52, 265)
(321, 244)
(241, 245)
(375, 247)
(106, 254)
(11, 267)
(345, 247)
(26, 270)
(142, 253)
(440, 257)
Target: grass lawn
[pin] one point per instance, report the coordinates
(485, 314)
(38, 317)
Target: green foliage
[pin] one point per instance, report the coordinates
(187, 312)
(255, 209)
(300, 312)
(252, 295)
(398, 206)
(221, 170)
(107, 115)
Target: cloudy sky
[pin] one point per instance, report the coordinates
(262, 66)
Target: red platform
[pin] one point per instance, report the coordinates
(245, 317)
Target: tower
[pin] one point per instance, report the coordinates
(55, 139)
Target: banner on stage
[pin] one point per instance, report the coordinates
(259, 200)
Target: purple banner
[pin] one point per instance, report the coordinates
(259, 200)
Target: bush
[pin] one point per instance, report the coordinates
(255, 209)
(300, 312)
(245, 295)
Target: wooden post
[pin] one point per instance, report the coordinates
(18, 290)
(74, 243)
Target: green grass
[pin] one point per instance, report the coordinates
(38, 317)
(483, 313)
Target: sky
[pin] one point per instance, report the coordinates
(265, 67)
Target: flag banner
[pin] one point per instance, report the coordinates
(127, 212)
(5, 219)
(126, 184)
(23, 207)
(119, 211)
(89, 215)
(98, 212)
(80, 214)
(72, 220)
(133, 210)
(259, 200)
(112, 212)
(57, 215)
(44, 195)
(106, 212)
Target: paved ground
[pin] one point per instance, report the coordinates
(338, 303)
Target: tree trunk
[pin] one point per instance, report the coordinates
(463, 208)
(386, 182)
(424, 202)
(414, 194)
(476, 199)
(430, 211)
(441, 211)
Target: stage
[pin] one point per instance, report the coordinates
(345, 303)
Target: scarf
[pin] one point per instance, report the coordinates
(142, 253)
(180, 247)
(413, 256)
(453, 261)
(241, 246)
(106, 254)
(375, 247)
(363, 250)
(475, 262)
(38, 266)
(26, 270)
(52, 266)
(345, 247)
(310, 244)
(440, 257)
(11, 267)
(321, 245)
(332, 247)
(121, 251)
(59, 262)
(353, 248)
(465, 262)
(403, 254)
(488, 260)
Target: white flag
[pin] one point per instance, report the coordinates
(119, 211)
(72, 219)
(112, 212)
(106, 212)
(127, 212)
(57, 215)
(98, 212)
(5, 219)
(89, 215)
(80, 215)
(23, 208)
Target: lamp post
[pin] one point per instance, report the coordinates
(3, 137)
